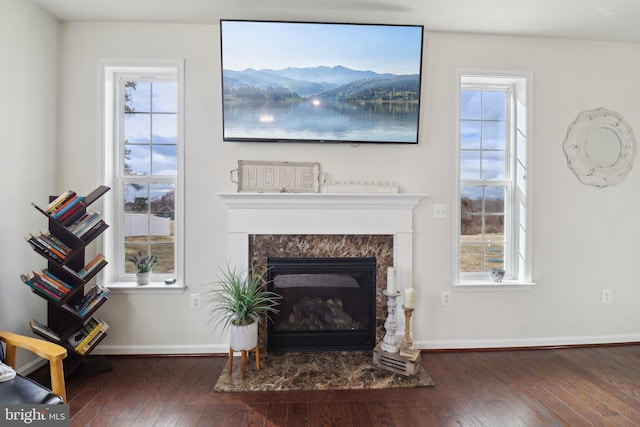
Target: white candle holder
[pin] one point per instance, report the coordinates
(389, 342)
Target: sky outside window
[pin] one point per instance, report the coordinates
(483, 134)
(151, 129)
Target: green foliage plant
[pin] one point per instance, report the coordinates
(143, 264)
(239, 297)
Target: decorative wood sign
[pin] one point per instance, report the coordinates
(276, 177)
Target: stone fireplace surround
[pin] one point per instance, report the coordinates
(325, 224)
(380, 247)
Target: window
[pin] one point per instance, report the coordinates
(143, 166)
(492, 226)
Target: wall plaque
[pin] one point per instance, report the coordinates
(276, 177)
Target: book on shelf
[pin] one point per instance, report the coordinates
(47, 284)
(90, 329)
(78, 336)
(83, 338)
(96, 294)
(54, 242)
(92, 265)
(85, 222)
(78, 222)
(93, 231)
(93, 292)
(56, 279)
(95, 264)
(88, 307)
(43, 249)
(95, 335)
(44, 330)
(47, 277)
(68, 202)
(40, 288)
(66, 206)
(64, 218)
(50, 245)
(59, 201)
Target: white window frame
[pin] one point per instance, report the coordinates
(110, 72)
(518, 198)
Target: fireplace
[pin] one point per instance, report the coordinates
(328, 304)
(322, 225)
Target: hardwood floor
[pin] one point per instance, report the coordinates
(558, 387)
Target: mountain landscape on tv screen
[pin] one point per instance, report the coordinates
(322, 82)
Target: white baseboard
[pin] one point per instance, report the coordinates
(133, 350)
(525, 342)
(105, 350)
(31, 366)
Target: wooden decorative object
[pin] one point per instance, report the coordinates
(276, 177)
(407, 342)
(396, 362)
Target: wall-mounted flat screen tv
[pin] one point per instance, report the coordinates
(320, 82)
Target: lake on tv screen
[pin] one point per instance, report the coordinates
(323, 121)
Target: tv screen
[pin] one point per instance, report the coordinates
(320, 82)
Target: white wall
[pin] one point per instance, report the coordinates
(584, 237)
(28, 72)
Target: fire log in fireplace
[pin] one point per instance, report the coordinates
(328, 304)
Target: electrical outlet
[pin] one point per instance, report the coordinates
(445, 297)
(440, 211)
(196, 301)
(607, 296)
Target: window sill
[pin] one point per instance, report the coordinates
(151, 288)
(490, 285)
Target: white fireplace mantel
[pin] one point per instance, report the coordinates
(325, 200)
(323, 213)
(320, 213)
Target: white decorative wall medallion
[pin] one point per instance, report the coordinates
(600, 147)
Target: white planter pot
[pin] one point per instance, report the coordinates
(143, 278)
(243, 337)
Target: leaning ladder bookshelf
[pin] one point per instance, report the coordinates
(71, 307)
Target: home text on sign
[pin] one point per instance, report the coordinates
(277, 177)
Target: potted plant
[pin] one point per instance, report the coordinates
(144, 265)
(236, 301)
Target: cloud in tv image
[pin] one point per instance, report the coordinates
(319, 82)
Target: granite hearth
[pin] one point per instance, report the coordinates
(316, 371)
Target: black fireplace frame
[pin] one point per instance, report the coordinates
(279, 341)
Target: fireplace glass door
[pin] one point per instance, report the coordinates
(327, 304)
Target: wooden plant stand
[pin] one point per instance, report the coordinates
(244, 359)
